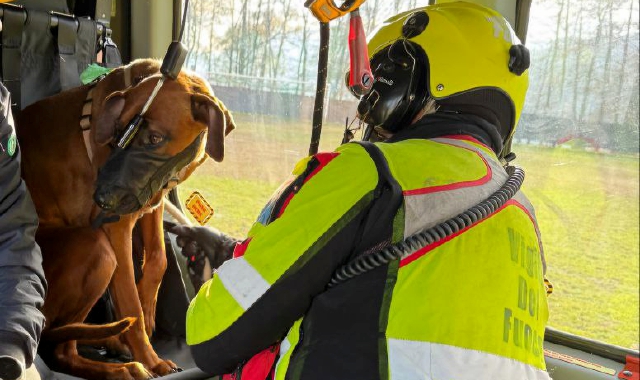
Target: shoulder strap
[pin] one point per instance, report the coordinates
(384, 173)
(377, 227)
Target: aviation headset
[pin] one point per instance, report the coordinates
(401, 75)
(403, 78)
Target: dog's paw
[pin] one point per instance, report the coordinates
(165, 367)
(130, 371)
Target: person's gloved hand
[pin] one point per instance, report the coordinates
(198, 243)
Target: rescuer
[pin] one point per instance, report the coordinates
(449, 86)
(22, 282)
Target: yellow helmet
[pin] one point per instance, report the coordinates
(463, 55)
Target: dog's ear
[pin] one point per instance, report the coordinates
(231, 125)
(106, 123)
(218, 120)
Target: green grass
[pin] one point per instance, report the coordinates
(586, 204)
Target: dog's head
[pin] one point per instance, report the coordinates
(184, 122)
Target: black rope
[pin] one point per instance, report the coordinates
(419, 240)
(184, 19)
(323, 61)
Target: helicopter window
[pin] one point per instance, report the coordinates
(578, 142)
(577, 139)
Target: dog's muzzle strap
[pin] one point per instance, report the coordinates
(137, 173)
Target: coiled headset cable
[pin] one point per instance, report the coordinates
(419, 240)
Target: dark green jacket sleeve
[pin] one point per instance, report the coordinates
(22, 283)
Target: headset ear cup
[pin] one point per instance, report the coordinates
(346, 84)
(417, 91)
(400, 87)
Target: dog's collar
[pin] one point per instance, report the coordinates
(87, 108)
(127, 76)
(85, 122)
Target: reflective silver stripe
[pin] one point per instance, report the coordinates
(524, 201)
(409, 360)
(242, 281)
(285, 346)
(426, 210)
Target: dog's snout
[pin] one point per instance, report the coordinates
(105, 199)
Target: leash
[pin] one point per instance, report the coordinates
(360, 78)
(321, 85)
(177, 214)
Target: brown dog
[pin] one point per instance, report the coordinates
(66, 170)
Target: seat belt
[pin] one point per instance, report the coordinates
(12, 25)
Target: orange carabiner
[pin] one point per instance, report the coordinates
(327, 10)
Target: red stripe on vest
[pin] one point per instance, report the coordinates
(457, 185)
(241, 248)
(323, 159)
(423, 251)
(465, 138)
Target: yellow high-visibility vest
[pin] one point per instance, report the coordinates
(472, 306)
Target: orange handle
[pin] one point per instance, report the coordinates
(327, 10)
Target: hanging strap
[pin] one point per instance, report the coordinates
(45, 6)
(12, 25)
(110, 54)
(39, 59)
(67, 32)
(86, 43)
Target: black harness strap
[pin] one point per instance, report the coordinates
(388, 199)
(67, 32)
(12, 25)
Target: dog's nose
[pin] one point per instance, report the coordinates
(106, 199)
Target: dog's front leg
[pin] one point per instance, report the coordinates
(126, 300)
(154, 266)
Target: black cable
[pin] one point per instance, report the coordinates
(184, 19)
(321, 84)
(419, 240)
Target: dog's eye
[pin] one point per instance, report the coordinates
(154, 139)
